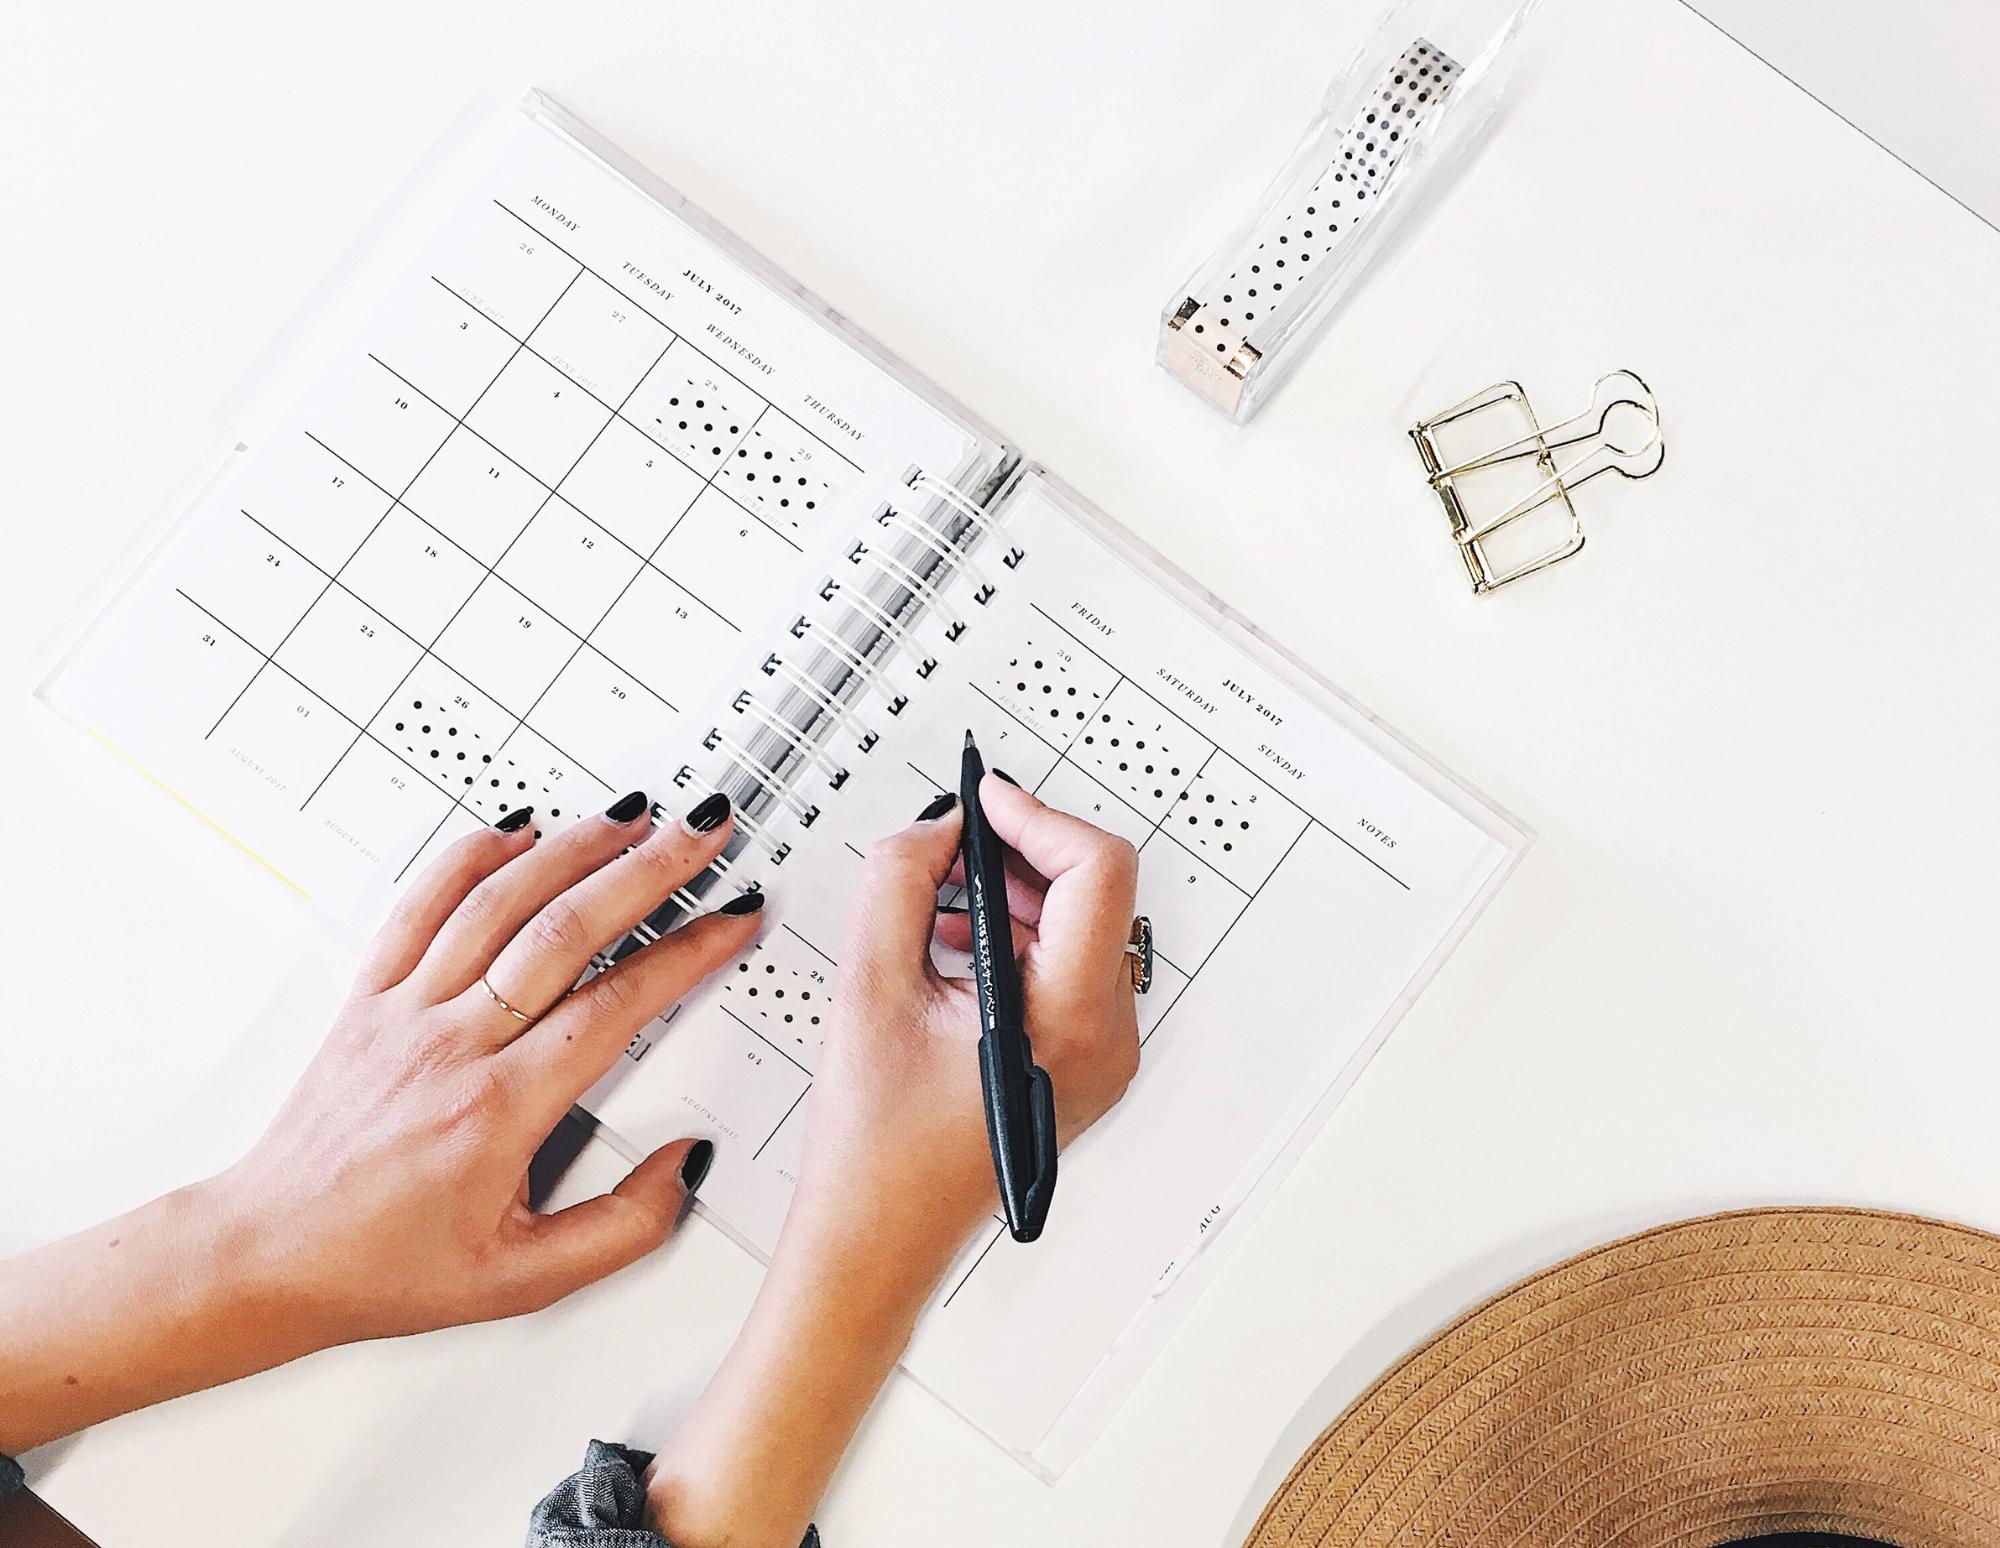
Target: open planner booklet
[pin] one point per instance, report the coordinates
(557, 492)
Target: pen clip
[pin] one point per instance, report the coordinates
(1042, 1120)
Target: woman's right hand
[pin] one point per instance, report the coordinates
(897, 1162)
(897, 1173)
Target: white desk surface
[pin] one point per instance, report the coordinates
(1750, 959)
(1913, 78)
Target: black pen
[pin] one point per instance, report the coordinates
(1020, 1101)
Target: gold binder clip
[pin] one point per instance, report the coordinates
(1619, 433)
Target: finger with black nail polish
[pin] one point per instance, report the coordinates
(626, 807)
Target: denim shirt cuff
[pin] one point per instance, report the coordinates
(602, 1505)
(12, 1481)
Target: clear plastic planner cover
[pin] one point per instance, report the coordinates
(1420, 91)
(556, 490)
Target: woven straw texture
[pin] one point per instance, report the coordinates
(1816, 1370)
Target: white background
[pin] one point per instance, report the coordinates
(1750, 959)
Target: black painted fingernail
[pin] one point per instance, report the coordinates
(625, 808)
(708, 815)
(1003, 774)
(938, 807)
(743, 903)
(694, 1167)
(515, 820)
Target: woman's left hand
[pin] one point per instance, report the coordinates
(390, 1194)
(393, 1184)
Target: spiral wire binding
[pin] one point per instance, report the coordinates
(765, 776)
(747, 703)
(842, 713)
(914, 587)
(949, 557)
(903, 575)
(863, 669)
(980, 519)
(872, 612)
(826, 687)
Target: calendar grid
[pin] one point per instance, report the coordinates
(308, 561)
(637, 307)
(679, 584)
(1157, 826)
(283, 671)
(615, 415)
(391, 623)
(1064, 760)
(446, 537)
(429, 651)
(1315, 821)
(767, 1042)
(523, 344)
(458, 421)
(617, 410)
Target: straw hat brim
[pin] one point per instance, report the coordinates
(1784, 1370)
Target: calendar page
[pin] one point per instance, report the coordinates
(536, 518)
(549, 522)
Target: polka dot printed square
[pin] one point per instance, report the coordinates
(783, 990)
(1053, 685)
(1235, 821)
(1143, 752)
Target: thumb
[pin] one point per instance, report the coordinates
(895, 903)
(579, 1245)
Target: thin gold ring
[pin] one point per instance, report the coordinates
(494, 995)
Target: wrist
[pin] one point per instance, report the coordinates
(179, 1294)
(875, 1261)
(248, 1272)
(846, 1284)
